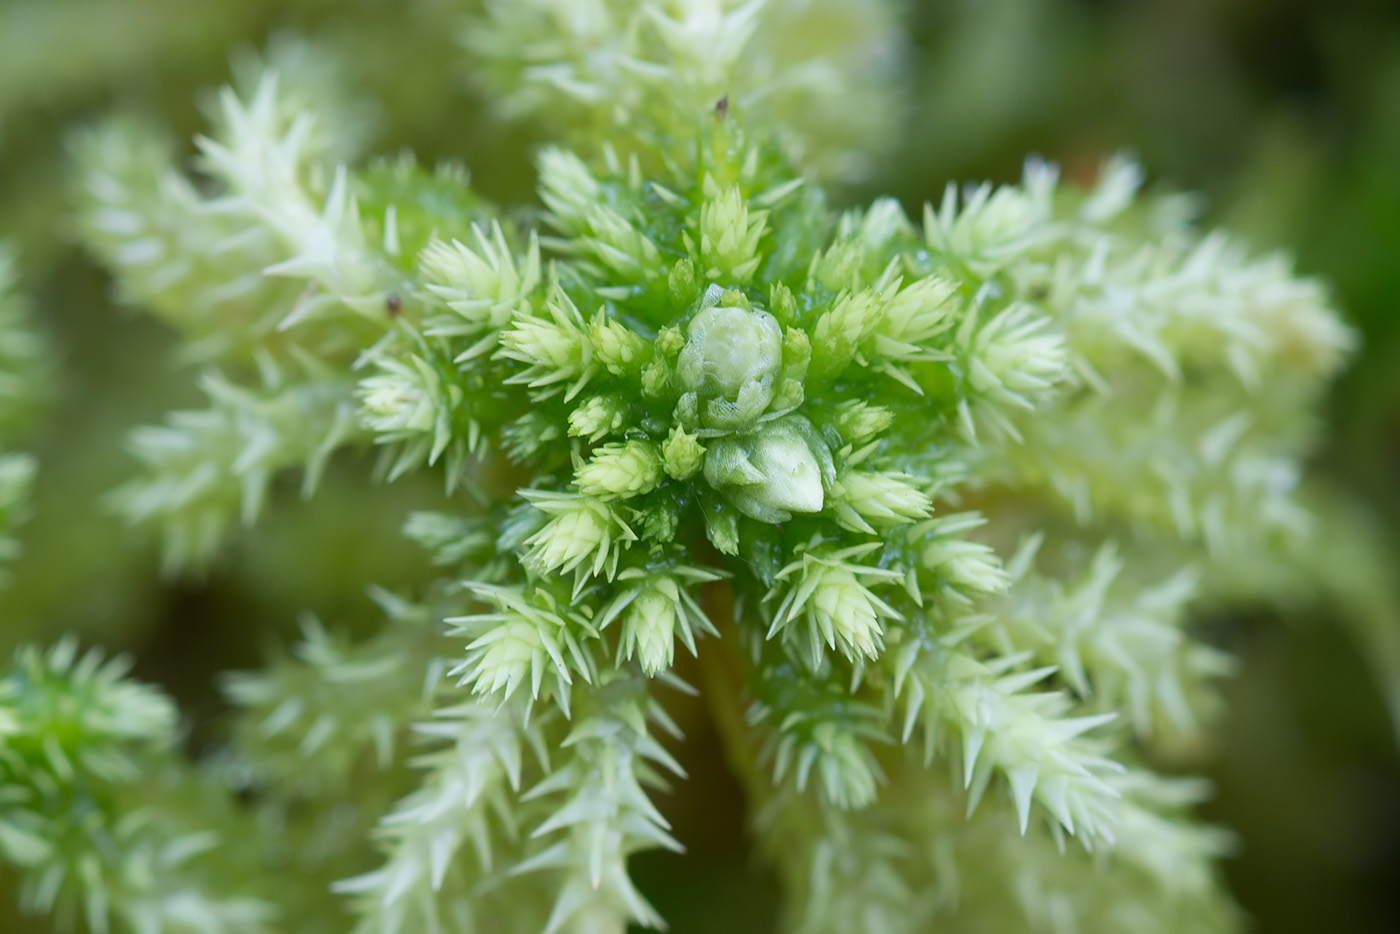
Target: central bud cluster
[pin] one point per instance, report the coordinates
(742, 379)
(730, 363)
(781, 468)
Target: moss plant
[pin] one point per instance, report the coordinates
(22, 381)
(933, 499)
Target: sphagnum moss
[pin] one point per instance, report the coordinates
(956, 476)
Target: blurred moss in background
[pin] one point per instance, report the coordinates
(1283, 114)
